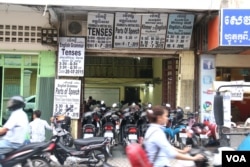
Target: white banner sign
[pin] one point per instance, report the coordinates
(71, 56)
(100, 30)
(127, 30)
(67, 98)
(237, 93)
(153, 31)
(179, 32)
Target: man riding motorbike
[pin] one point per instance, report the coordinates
(16, 128)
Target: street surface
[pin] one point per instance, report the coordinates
(119, 159)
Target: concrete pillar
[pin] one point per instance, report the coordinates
(26, 83)
(185, 92)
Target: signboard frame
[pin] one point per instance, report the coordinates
(153, 30)
(179, 33)
(100, 30)
(71, 54)
(233, 27)
(67, 98)
(127, 30)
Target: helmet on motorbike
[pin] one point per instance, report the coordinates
(179, 113)
(15, 102)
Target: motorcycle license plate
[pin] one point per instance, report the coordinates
(132, 137)
(203, 136)
(108, 134)
(88, 135)
(183, 135)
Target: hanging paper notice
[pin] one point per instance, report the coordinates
(153, 31)
(67, 98)
(127, 30)
(71, 56)
(179, 32)
(100, 30)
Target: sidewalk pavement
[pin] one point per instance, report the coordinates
(119, 159)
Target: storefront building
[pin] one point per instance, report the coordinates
(127, 66)
(26, 66)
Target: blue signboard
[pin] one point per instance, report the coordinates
(235, 27)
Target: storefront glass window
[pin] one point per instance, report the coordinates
(19, 77)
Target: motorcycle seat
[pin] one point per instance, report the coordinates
(26, 147)
(4, 151)
(89, 141)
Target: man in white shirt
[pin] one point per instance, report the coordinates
(16, 128)
(37, 128)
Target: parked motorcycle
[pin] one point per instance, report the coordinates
(195, 134)
(111, 125)
(64, 122)
(92, 152)
(88, 129)
(174, 127)
(129, 130)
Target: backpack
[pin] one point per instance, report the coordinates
(137, 155)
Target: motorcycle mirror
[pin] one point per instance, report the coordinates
(114, 105)
(218, 109)
(149, 105)
(168, 105)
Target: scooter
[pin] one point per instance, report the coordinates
(91, 151)
(65, 122)
(175, 126)
(88, 129)
(110, 129)
(27, 155)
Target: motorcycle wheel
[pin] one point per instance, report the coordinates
(37, 162)
(99, 155)
(67, 140)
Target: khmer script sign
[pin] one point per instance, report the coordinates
(127, 30)
(100, 30)
(235, 27)
(179, 31)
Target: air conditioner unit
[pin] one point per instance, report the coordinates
(76, 28)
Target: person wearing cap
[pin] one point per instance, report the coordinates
(16, 128)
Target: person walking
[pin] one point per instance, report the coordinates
(37, 127)
(159, 150)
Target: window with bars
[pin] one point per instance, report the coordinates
(114, 67)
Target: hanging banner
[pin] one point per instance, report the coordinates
(67, 98)
(71, 54)
(179, 31)
(100, 30)
(235, 27)
(127, 30)
(153, 31)
(207, 76)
